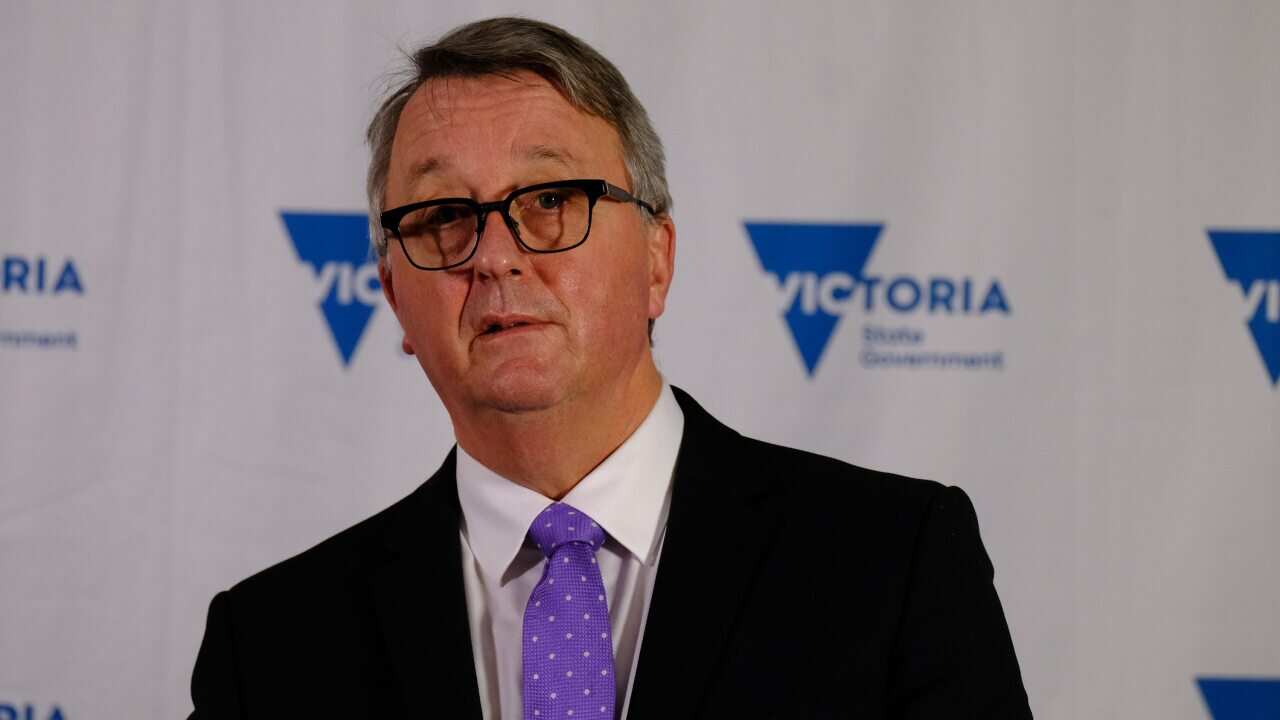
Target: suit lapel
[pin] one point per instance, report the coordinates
(719, 530)
(421, 604)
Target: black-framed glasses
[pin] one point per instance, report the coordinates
(544, 218)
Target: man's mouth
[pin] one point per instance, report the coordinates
(499, 327)
(498, 324)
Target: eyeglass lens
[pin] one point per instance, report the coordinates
(546, 220)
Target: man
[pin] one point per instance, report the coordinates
(597, 544)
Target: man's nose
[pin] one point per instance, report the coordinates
(499, 253)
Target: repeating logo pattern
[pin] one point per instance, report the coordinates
(1251, 260)
(336, 248)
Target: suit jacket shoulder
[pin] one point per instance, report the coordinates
(798, 573)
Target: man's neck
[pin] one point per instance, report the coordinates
(550, 451)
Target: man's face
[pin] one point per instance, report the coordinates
(573, 324)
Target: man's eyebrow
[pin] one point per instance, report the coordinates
(436, 163)
(557, 155)
(428, 166)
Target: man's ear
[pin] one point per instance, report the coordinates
(384, 276)
(662, 263)
(389, 292)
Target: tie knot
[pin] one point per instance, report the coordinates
(560, 524)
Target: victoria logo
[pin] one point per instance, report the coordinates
(814, 269)
(1251, 260)
(819, 275)
(335, 246)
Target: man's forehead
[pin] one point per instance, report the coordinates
(520, 115)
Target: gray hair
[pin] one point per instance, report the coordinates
(506, 45)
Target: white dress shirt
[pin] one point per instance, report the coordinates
(628, 495)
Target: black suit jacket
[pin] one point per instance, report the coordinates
(791, 586)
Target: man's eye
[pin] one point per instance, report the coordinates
(549, 200)
(441, 216)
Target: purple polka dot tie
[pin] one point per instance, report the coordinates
(568, 651)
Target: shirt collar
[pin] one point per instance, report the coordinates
(627, 494)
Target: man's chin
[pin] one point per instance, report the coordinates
(521, 394)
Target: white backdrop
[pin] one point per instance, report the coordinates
(177, 410)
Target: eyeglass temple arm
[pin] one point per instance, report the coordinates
(621, 195)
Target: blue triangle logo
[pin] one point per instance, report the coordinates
(1252, 260)
(336, 248)
(1241, 698)
(798, 256)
